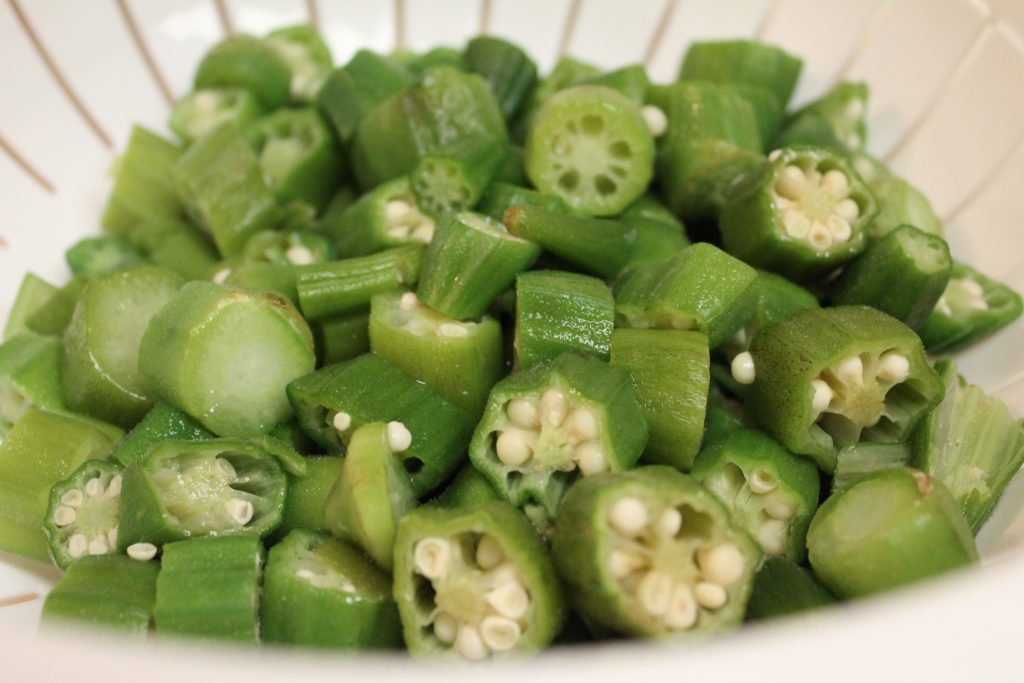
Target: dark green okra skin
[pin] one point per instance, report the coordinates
(861, 459)
(144, 186)
(557, 312)
(513, 560)
(307, 496)
(469, 487)
(509, 72)
(971, 443)
(900, 203)
(209, 589)
(109, 592)
(771, 492)
(821, 383)
(886, 530)
(323, 593)
(500, 196)
(972, 307)
(547, 425)
(651, 553)
(342, 337)
(162, 423)
(782, 587)
(769, 112)
(701, 288)
(353, 90)
(202, 110)
(903, 274)
(743, 61)
(440, 56)
(801, 214)
(386, 216)
(93, 256)
(835, 121)
(632, 81)
(777, 299)
(246, 62)
(177, 245)
(87, 505)
(659, 234)
(33, 293)
(29, 377)
(566, 73)
(670, 371)
(307, 56)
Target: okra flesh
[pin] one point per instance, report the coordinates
(782, 587)
(386, 216)
(202, 110)
(307, 496)
(307, 56)
(84, 512)
(33, 293)
(972, 307)
(29, 377)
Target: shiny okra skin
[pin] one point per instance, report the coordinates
(861, 459)
(469, 487)
(307, 496)
(835, 121)
(161, 423)
(33, 292)
(967, 313)
(144, 186)
(353, 90)
(29, 377)
(900, 203)
(202, 110)
(501, 196)
(177, 245)
(341, 338)
(246, 62)
(743, 61)
(659, 234)
(509, 72)
(782, 587)
(53, 315)
(93, 256)
(99, 510)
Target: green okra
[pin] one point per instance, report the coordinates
(469, 488)
(202, 110)
(554, 422)
(177, 245)
(743, 61)
(288, 248)
(971, 443)
(295, 440)
(590, 146)
(440, 56)
(33, 293)
(802, 214)
(460, 360)
(29, 377)
(566, 73)
(278, 278)
(307, 496)
(659, 234)
(162, 423)
(651, 553)
(93, 256)
(782, 587)
(724, 415)
(700, 288)
(342, 337)
(473, 583)
(53, 315)
(330, 289)
(670, 371)
(769, 111)
(501, 196)
(632, 81)
(862, 459)
(777, 299)
(511, 169)
(972, 307)
(307, 56)
(109, 592)
(321, 592)
(373, 491)
(509, 72)
(886, 530)
(335, 400)
(353, 90)
(224, 355)
(769, 491)
(598, 246)
(903, 274)
(283, 449)
(558, 312)
(900, 203)
(243, 61)
(144, 185)
(209, 589)
(386, 216)
(101, 346)
(215, 487)
(835, 121)
(83, 513)
(828, 378)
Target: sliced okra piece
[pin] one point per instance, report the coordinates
(509, 72)
(307, 56)
(243, 61)
(554, 422)
(282, 449)
(223, 186)
(712, 138)
(659, 234)
(782, 587)
(215, 487)
(500, 196)
(469, 488)
(291, 435)
(33, 293)
(351, 91)
(177, 245)
(651, 553)
(298, 156)
(769, 491)
(321, 592)
(288, 248)
(110, 592)
(599, 246)
(202, 110)
(836, 121)
(162, 423)
(972, 307)
(84, 512)
(93, 256)
(43, 448)
(700, 288)
(566, 73)
(769, 111)
(725, 415)
(279, 278)
(743, 61)
(862, 459)
(334, 401)
(470, 261)
(342, 337)
(670, 371)
(53, 316)
(591, 146)
(373, 491)
(444, 56)
(473, 583)
(802, 214)
(828, 378)
(971, 443)
(887, 530)
(557, 312)
(511, 169)
(344, 286)
(777, 299)
(386, 216)
(460, 360)
(900, 203)
(144, 186)
(632, 81)
(209, 588)
(307, 496)
(29, 377)
(100, 359)
(224, 355)
(345, 197)
(903, 274)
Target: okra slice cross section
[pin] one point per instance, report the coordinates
(651, 553)
(84, 512)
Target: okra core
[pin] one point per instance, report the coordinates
(851, 395)
(815, 205)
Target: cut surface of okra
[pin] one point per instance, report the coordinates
(29, 377)
(971, 307)
(386, 216)
(84, 512)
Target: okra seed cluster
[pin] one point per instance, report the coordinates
(756, 497)
(404, 221)
(414, 316)
(962, 295)
(856, 387)
(815, 207)
(90, 513)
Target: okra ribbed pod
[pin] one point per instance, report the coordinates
(900, 203)
(342, 337)
(469, 262)
(862, 459)
(307, 496)
(386, 216)
(162, 423)
(307, 56)
(782, 587)
(144, 185)
(659, 234)
(836, 121)
(558, 312)
(277, 278)
(473, 583)
(52, 317)
(115, 593)
(288, 248)
(632, 81)
(566, 73)
(209, 588)
(441, 56)
(469, 487)
(29, 377)
(500, 196)
(769, 112)
(743, 61)
(349, 92)
(777, 299)
(83, 513)
(33, 293)
(177, 245)
(670, 371)
(246, 62)
(202, 110)
(93, 256)
(972, 307)
(321, 592)
(509, 72)
(650, 553)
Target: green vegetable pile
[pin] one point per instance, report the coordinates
(417, 352)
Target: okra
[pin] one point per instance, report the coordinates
(777, 300)
(287, 248)
(209, 589)
(444, 56)
(307, 496)
(724, 415)
(862, 459)
(115, 593)
(473, 583)
(29, 377)
(659, 234)
(900, 203)
(972, 307)
(835, 121)
(351, 91)
(887, 530)
(386, 216)
(224, 356)
(670, 371)
(33, 293)
(511, 168)
(162, 423)
(83, 513)
(743, 61)
(144, 185)
(501, 196)
(782, 587)
(828, 378)
(903, 274)
(307, 56)
(243, 61)
(631, 81)
(321, 592)
(558, 312)
(566, 73)
(277, 278)
(550, 424)
(53, 316)
(509, 72)
(469, 488)
(769, 112)
(176, 245)
(202, 110)
(342, 337)
(93, 256)
(650, 553)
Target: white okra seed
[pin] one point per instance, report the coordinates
(408, 301)
(554, 407)
(682, 611)
(227, 470)
(655, 592)
(72, 498)
(509, 599)
(836, 184)
(305, 574)
(622, 563)
(341, 421)
(710, 595)
(78, 545)
(489, 553)
(114, 487)
(424, 231)
(64, 515)
(796, 223)
(893, 367)
(839, 228)
(469, 644)
(775, 154)
(98, 545)
(431, 557)
(822, 395)
(780, 509)
(972, 287)
(446, 627)
(582, 425)
(94, 487)
(669, 523)
(399, 437)
(655, 119)
(771, 535)
(628, 516)
(762, 481)
(513, 447)
(791, 182)
(851, 371)
(453, 330)
(590, 459)
(239, 510)
(722, 563)
(848, 209)
(395, 209)
(112, 537)
(221, 276)
(523, 413)
(299, 255)
(819, 236)
(142, 551)
(499, 633)
(743, 370)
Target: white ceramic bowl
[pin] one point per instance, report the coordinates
(947, 112)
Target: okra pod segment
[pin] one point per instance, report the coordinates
(509, 72)
(246, 62)
(177, 245)
(659, 234)
(386, 216)
(162, 423)
(777, 299)
(33, 293)
(900, 203)
(743, 61)
(29, 377)
(144, 185)
(287, 248)
(469, 488)
(501, 196)
(84, 512)
(861, 459)
(307, 56)
(93, 256)
(53, 315)
(202, 110)
(342, 337)
(650, 553)
(836, 121)
(972, 307)
(782, 587)
(349, 92)
(307, 496)
(473, 583)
